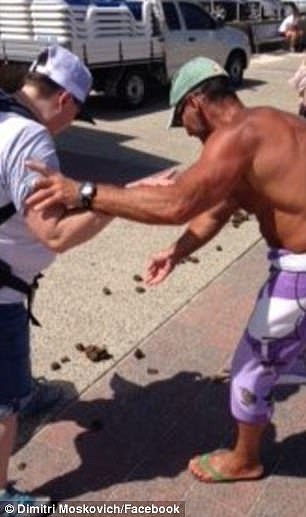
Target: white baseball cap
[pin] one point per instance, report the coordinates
(67, 70)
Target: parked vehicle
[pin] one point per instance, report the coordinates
(124, 43)
(229, 10)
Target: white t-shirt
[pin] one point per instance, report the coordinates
(21, 139)
(287, 23)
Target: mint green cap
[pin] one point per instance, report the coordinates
(187, 78)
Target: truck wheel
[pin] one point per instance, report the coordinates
(235, 66)
(132, 89)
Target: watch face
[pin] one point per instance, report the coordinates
(87, 189)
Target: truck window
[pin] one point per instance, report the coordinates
(136, 9)
(171, 16)
(195, 18)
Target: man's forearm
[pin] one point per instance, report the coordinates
(190, 242)
(77, 227)
(158, 205)
(169, 205)
(202, 229)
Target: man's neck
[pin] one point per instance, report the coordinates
(28, 103)
(226, 112)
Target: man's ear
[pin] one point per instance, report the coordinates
(197, 102)
(63, 98)
(193, 100)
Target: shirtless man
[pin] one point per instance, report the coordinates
(252, 159)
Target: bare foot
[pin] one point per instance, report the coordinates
(223, 466)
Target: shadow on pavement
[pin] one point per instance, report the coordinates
(31, 424)
(106, 108)
(103, 157)
(145, 432)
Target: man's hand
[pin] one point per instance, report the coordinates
(160, 266)
(53, 189)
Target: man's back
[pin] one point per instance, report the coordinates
(275, 186)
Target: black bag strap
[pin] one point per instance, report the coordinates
(6, 212)
(9, 104)
(7, 279)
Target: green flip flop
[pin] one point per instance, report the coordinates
(216, 476)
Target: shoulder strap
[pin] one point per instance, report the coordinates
(6, 212)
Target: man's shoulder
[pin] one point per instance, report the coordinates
(15, 123)
(241, 135)
(249, 125)
(262, 117)
(265, 116)
(18, 132)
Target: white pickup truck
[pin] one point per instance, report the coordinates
(125, 43)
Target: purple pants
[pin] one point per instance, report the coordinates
(273, 340)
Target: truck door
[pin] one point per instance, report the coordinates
(200, 32)
(174, 37)
(189, 31)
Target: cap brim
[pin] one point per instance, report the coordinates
(174, 120)
(85, 116)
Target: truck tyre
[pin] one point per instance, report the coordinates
(132, 89)
(235, 66)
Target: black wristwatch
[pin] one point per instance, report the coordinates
(87, 191)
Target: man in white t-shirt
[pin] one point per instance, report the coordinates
(291, 30)
(53, 94)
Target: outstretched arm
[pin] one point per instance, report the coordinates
(200, 231)
(225, 158)
(60, 229)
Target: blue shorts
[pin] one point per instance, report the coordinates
(15, 366)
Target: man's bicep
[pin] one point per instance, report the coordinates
(43, 223)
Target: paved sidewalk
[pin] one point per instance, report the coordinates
(131, 434)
